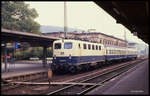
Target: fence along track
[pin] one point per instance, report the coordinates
(97, 84)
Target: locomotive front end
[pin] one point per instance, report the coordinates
(62, 55)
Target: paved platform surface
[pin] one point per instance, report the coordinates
(21, 69)
(133, 82)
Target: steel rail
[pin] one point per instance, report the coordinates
(10, 85)
(64, 88)
(101, 83)
(104, 81)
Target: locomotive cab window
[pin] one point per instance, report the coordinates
(68, 45)
(57, 45)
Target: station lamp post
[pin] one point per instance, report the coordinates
(65, 19)
(5, 56)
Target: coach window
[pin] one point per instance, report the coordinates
(96, 47)
(84, 46)
(92, 47)
(68, 45)
(57, 45)
(89, 46)
(79, 46)
(110, 51)
(99, 47)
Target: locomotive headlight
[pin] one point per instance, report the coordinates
(69, 56)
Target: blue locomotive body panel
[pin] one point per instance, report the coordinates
(78, 59)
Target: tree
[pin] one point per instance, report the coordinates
(17, 16)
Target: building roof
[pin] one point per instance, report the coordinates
(85, 34)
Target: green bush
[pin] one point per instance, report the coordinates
(35, 52)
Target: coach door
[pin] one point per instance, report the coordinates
(79, 46)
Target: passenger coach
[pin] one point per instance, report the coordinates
(120, 53)
(115, 53)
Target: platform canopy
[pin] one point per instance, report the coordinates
(35, 40)
(132, 14)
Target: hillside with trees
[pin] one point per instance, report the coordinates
(16, 15)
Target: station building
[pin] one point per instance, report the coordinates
(107, 40)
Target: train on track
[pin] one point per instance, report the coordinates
(73, 55)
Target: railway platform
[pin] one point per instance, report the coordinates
(133, 82)
(21, 69)
(21, 73)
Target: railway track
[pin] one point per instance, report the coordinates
(79, 85)
(8, 85)
(98, 79)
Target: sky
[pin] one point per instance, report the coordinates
(81, 15)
